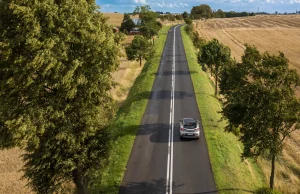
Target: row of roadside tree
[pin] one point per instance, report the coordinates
(257, 95)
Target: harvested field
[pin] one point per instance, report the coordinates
(267, 33)
(116, 19)
(272, 33)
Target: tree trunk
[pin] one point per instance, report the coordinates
(140, 61)
(153, 40)
(272, 172)
(216, 84)
(80, 182)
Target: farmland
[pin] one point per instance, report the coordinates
(268, 33)
(272, 33)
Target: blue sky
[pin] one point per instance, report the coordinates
(174, 6)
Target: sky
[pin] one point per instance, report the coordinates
(173, 6)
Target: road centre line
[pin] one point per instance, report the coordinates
(171, 128)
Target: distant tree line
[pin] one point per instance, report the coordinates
(205, 11)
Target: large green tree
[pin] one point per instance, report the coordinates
(260, 103)
(201, 11)
(215, 56)
(55, 76)
(127, 23)
(139, 49)
(149, 24)
(185, 15)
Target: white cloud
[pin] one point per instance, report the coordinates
(169, 5)
(140, 2)
(183, 4)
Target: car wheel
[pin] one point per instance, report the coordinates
(181, 138)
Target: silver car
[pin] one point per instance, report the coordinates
(189, 128)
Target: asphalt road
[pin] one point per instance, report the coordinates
(160, 162)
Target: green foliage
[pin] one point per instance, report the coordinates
(185, 15)
(127, 23)
(261, 105)
(265, 190)
(219, 14)
(188, 29)
(179, 17)
(202, 11)
(139, 49)
(55, 67)
(198, 41)
(149, 25)
(215, 56)
(188, 21)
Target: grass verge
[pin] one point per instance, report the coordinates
(231, 174)
(128, 120)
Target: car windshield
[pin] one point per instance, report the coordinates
(190, 124)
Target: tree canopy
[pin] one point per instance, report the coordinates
(55, 67)
(215, 56)
(149, 24)
(201, 11)
(260, 103)
(185, 15)
(127, 23)
(139, 49)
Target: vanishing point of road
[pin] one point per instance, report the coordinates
(160, 162)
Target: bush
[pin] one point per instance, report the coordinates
(188, 21)
(188, 29)
(266, 190)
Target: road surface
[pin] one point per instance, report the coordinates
(160, 162)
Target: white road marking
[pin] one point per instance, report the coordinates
(171, 129)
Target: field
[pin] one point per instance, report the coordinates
(116, 19)
(272, 33)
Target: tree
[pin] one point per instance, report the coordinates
(202, 11)
(219, 14)
(139, 49)
(261, 106)
(127, 23)
(56, 63)
(215, 55)
(185, 15)
(179, 17)
(149, 25)
(188, 21)
(198, 41)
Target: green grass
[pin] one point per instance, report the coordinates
(231, 174)
(128, 120)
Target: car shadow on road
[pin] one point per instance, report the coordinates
(154, 186)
